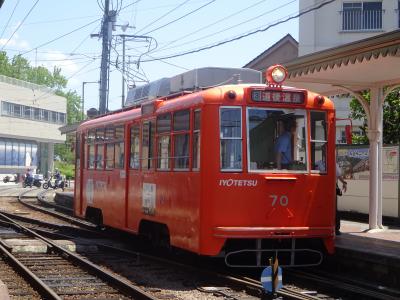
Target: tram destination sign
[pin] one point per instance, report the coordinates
(273, 96)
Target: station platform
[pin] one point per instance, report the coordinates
(355, 236)
(373, 255)
(64, 199)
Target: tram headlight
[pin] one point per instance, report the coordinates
(276, 74)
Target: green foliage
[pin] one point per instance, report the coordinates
(391, 118)
(65, 152)
(360, 139)
(74, 113)
(66, 169)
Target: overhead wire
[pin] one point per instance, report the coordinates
(77, 72)
(59, 20)
(60, 37)
(129, 5)
(100, 4)
(20, 24)
(223, 30)
(9, 19)
(163, 16)
(181, 17)
(85, 39)
(241, 36)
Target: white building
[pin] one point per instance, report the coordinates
(342, 22)
(30, 118)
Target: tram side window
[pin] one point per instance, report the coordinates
(231, 138)
(119, 156)
(91, 152)
(196, 141)
(181, 126)
(109, 139)
(164, 141)
(100, 149)
(148, 132)
(134, 160)
(318, 141)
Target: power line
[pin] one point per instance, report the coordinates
(164, 15)
(77, 72)
(59, 20)
(133, 3)
(223, 30)
(184, 16)
(8, 21)
(241, 36)
(60, 37)
(84, 40)
(22, 22)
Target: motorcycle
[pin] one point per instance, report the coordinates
(53, 184)
(9, 178)
(32, 181)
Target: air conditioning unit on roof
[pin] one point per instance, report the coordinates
(193, 80)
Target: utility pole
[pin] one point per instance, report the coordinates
(123, 71)
(106, 38)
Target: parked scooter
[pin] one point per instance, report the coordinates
(10, 178)
(32, 181)
(52, 183)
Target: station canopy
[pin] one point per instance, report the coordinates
(371, 64)
(359, 65)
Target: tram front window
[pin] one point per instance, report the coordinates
(276, 139)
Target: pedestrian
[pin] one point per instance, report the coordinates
(339, 177)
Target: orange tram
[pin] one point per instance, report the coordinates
(245, 171)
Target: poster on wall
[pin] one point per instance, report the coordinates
(354, 162)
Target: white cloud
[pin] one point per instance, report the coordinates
(56, 58)
(16, 43)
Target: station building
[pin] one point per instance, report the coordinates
(30, 118)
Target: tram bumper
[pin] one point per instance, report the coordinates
(289, 253)
(272, 232)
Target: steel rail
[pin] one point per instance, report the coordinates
(59, 227)
(344, 286)
(64, 217)
(35, 281)
(122, 283)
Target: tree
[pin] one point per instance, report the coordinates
(74, 113)
(391, 117)
(5, 68)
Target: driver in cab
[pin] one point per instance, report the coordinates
(283, 145)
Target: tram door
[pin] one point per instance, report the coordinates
(113, 191)
(134, 179)
(78, 169)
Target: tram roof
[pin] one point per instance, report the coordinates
(359, 65)
(166, 104)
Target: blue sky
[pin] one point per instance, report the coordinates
(206, 22)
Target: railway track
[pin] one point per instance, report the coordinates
(57, 273)
(53, 210)
(346, 286)
(143, 269)
(18, 287)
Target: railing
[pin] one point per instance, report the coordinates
(361, 20)
(25, 84)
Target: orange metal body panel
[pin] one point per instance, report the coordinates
(202, 209)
